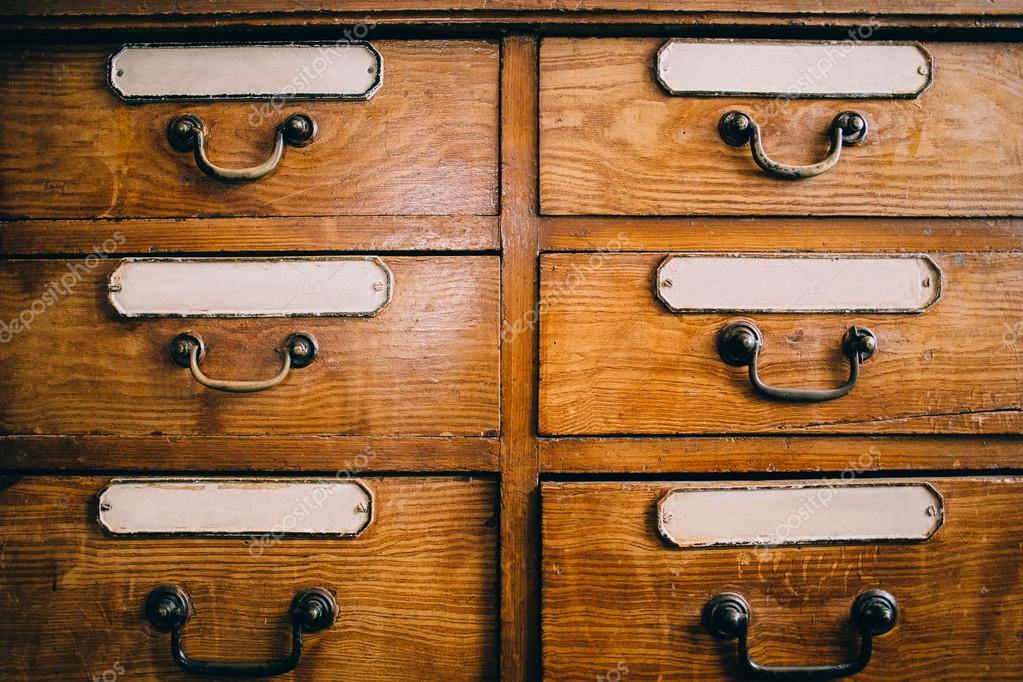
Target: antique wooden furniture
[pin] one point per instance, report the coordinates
(596, 340)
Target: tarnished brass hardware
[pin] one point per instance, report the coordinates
(847, 129)
(187, 133)
(874, 613)
(187, 350)
(740, 343)
(168, 608)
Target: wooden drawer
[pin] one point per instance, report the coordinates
(416, 591)
(618, 597)
(426, 364)
(424, 144)
(614, 142)
(615, 360)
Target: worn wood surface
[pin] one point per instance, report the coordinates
(222, 235)
(612, 142)
(796, 234)
(614, 594)
(416, 591)
(426, 365)
(106, 7)
(519, 459)
(613, 360)
(425, 144)
(773, 454)
(248, 453)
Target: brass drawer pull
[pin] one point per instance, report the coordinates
(740, 343)
(847, 129)
(187, 133)
(168, 608)
(874, 613)
(187, 349)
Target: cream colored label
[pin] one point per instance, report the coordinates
(798, 514)
(850, 69)
(231, 507)
(261, 287)
(798, 283)
(332, 70)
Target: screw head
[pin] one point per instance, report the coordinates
(861, 342)
(303, 348)
(735, 128)
(181, 348)
(739, 342)
(299, 130)
(726, 616)
(315, 608)
(853, 126)
(167, 607)
(876, 612)
(183, 132)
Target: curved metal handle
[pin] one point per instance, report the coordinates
(874, 613)
(187, 350)
(736, 128)
(740, 343)
(168, 608)
(187, 133)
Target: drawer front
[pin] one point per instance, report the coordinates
(615, 360)
(424, 144)
(415, 591)
(426, 364)
(617, 596)
(614, 142)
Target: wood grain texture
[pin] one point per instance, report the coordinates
(222, 235)
(520, 523)
(613, 360)
(248, 453)
(425, 365)
(773, 454)
(615, 595)
(738, 235)
(612, 142)
(417, 590)
(107, 7)
(425, 144)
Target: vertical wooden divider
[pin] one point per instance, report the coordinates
(519, 447)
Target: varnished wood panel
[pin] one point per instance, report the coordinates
(750, 235)
(425, 144)
(612, 142)
(195, 235)
(106, 7)
(614, 594)
(771, 454)
(248, 453)
(613, 360)
(425, 365)
(520, 523)
(417, 590)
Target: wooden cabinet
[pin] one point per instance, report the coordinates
(517, 281)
